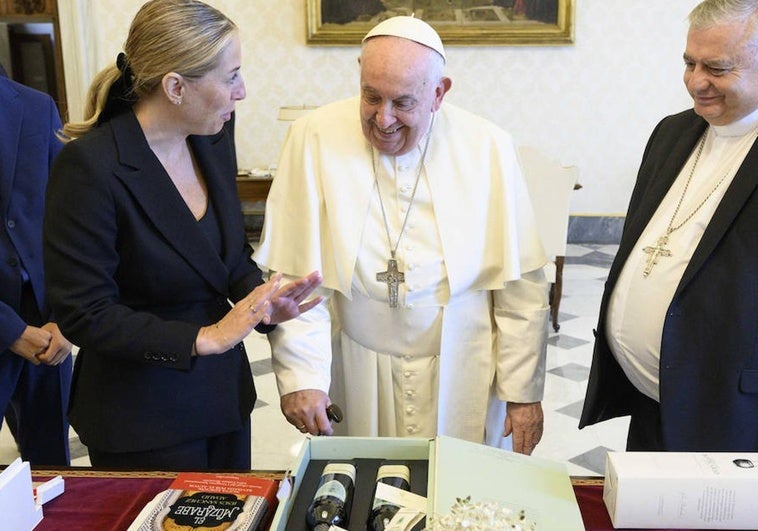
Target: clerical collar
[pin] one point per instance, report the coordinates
(741, 127)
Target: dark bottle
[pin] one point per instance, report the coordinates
(334, 497)
(382, 511)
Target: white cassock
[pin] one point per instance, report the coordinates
(470, 328)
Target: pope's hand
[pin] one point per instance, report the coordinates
(306, 411)
(525, 422)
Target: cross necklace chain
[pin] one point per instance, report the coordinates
(393, 276)
(659, 249)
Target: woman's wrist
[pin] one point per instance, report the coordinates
(209, 340)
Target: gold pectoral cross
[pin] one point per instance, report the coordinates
(659, 249)
(392, 277)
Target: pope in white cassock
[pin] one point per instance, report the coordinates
(419, 220)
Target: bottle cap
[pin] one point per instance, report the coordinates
(394, 471)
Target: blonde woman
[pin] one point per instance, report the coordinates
(145, 247)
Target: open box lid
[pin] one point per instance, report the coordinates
(540, 487)
(457, 469)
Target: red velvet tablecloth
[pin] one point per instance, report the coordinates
(103, 501)
(99, 502)
(110, 501)
(589, 496)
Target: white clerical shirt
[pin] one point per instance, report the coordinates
(637, 308)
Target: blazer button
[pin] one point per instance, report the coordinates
(11, 223)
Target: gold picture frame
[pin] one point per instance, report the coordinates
(459, 22)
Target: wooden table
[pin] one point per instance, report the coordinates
(252, 190)
(253, 193)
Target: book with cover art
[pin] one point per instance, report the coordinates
(203, 501)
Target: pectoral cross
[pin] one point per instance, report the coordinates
(659, 249)
(392, 277)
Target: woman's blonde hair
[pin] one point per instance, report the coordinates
(182, 36)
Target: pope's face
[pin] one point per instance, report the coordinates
(721, 72)
(400, 89)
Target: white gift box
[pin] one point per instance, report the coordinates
(677, 490)
(455, 469)
(18, 510)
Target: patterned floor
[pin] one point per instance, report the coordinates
(275, 443)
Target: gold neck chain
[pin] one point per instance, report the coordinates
(671, 228)
(660, 249)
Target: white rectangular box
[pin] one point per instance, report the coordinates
(17, 507)
(457, 469)
(678, 490)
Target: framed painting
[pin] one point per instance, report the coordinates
(33, 61)
(459, 22)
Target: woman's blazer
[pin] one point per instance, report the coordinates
(132, 278)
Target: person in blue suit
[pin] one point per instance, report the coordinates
(35, 361)
(145, 247)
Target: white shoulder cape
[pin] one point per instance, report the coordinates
(318, 202)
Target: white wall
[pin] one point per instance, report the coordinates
(592, 103)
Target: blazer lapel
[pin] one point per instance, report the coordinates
(742, 187)
(222, 190)
(11, 113)
(152, 189)
(658, 184)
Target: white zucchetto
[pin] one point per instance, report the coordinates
(411, 28)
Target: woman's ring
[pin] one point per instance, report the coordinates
(253, 308)
(301, 428)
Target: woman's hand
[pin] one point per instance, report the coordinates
(287, 303)
(268, 303)
(237, 324)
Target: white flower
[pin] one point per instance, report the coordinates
(479, 517)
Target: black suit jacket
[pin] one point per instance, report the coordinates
(709, 348)
(132, 278)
